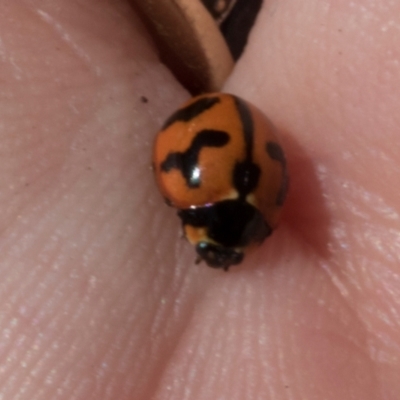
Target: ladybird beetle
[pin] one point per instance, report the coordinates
(218, 161)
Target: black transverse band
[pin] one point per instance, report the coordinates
(191, 111)
(187, 161)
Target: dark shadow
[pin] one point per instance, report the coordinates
(305, 213)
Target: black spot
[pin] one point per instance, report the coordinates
(187, 161)
(245, 177)
(275, 151)
(191, 111)
(144, 99)
(230, 223)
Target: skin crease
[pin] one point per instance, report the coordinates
(99, 295)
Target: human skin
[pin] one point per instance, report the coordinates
(100, 297)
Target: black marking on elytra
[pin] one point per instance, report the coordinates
(245, 177)
(230, 223)
(246, 173)
(187, 161)
(275, 151)
(248, 126)
(191, 111)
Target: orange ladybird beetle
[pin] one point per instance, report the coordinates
(218, 161)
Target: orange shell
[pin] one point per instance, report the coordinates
(216, 164)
